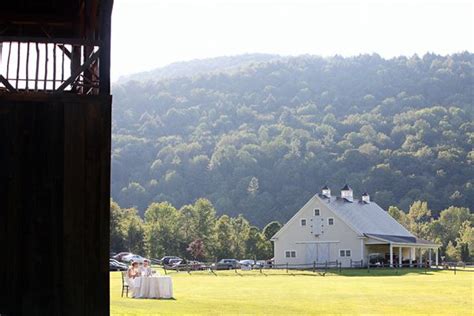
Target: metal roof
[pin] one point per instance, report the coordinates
(395, 239)
(366, 218)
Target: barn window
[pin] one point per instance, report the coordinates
(290, 254)
(293, 254)
(303, 222)
(330, 221)
(316, 212)
(287, 254)
(344, 253)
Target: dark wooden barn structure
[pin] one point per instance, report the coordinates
(55, 127)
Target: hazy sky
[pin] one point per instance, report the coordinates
(151, 33)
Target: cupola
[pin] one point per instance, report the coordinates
(326, 192)
(346, 193)
(366, 198)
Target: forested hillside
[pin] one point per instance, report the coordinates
(260, 137)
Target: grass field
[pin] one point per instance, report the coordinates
(353, 292)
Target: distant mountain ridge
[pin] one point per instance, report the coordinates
(259, 134)
(196, 67)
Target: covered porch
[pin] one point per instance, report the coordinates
(400, 251)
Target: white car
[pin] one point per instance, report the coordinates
(247, 262)
(133, 258)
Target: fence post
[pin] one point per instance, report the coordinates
(287, 267)
(314, 266)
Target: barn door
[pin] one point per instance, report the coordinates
(310, 253)
(323, 252)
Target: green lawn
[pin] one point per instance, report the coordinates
(354, 292)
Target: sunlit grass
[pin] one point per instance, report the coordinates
(354, 292)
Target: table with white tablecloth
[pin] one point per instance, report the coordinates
(153, 287)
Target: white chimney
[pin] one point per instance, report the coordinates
(365, 198)
(346, 193)
(326, 192)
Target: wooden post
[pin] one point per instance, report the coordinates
(420, 258)
(391, 255)
(314, 266)
(104, 64)
(45, 66)
(27, 64)
(400, 253)
(8, 60)
(287, 267)
(54, 67)
(37, 66)
(62, 63)
(18, 63)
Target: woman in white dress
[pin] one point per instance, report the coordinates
(132, 275)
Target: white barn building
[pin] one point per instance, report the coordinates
(343, 229)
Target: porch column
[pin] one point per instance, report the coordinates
(412, 256)
(391, 255)
(362, 250)
(400, 257)
(429, 257)
(436, 259)
(420, 258)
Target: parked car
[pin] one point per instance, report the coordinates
(166, 259)
(114, 265)
(226, 264)
(377, 259)
(120, 255)
(196, 265)
(381, 259)
(133, 258)
(260, 264)
(247, 262)
(155, 261)
(175, 262)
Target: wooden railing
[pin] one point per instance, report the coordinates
(49, 65)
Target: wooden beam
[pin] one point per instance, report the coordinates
(65, 50)
(67, 41)
(105, 29)
(6, 84)
(79, 70)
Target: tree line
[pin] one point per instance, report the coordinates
(453, 228)
(195, 231)
(260, 138)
